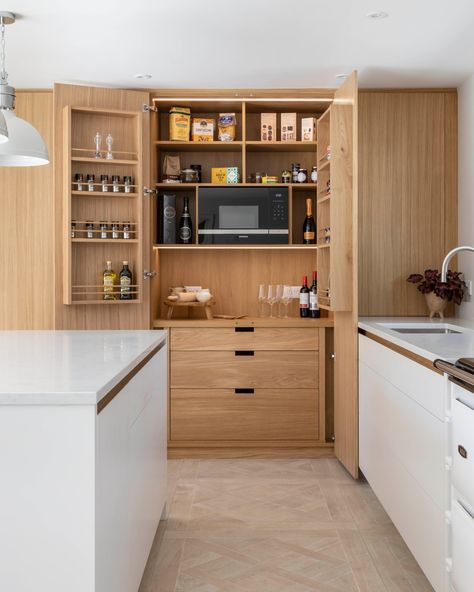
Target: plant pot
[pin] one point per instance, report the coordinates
(436, 305)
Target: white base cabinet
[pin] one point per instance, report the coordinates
(82, 493)
(401, 447)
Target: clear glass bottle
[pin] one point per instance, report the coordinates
(127, 182)
(91, 182)
(90, 229)
(115, 183)
(126, 230)
(103, 229)
(104, 179)
(73, 229)
(115, 230)
(109, 278)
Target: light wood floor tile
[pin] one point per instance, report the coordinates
(249, 525)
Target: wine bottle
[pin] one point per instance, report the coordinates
(314, 311)
(185, 224)
(109, 277)
(309, 226)
(125, 282)
(304, 298)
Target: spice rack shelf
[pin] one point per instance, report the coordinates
(84, 259)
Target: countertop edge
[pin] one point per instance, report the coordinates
(277, 323)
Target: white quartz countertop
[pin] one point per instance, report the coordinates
(68, 367)
(449, 347)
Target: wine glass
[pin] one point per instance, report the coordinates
(279, 295)
(97, 143)
(262, 298)
(272, 298)
(286, 299)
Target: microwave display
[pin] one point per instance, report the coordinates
(238, 216)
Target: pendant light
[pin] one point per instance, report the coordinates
(25, 146)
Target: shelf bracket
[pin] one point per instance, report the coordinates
(147, 275)
(147, 192)
(149, 108)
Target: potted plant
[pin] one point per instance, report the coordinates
(438, 293)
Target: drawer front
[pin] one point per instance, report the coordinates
(232, 338)
(463, 444)
(226, 414)
(227, 369)
(462, 574)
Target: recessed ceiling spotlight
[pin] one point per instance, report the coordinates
(380, 14)
(146, 76)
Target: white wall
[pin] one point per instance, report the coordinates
(466, 186)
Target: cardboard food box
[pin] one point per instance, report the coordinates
(268, 123)
(225, 175)
(308, 129)
(288, 127)
(203, 130)
(180, 124)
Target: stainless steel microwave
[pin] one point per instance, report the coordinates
(243, 215)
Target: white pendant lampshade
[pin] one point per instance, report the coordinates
(25, 146)
(3, 129)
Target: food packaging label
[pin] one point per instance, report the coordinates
(225, 175)
(308, 129)
(180, 124)
(227, 124)
(268, 127)
(203, 130)
(288, 127)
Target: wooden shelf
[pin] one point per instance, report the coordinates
(215, 146)
(137, 301)
(323, 245)
(182, 186)
(103, 160)
(103, 193)
(178, 247)
(105, 240)
(278, 146)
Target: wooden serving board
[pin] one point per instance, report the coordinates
(207, 306)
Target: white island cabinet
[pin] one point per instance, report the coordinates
(83, 435)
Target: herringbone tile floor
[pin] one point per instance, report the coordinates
(276, 526)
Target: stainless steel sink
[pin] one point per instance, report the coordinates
(427, 330)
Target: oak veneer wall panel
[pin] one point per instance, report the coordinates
(27, 228)
(407, 195)
(132, 316)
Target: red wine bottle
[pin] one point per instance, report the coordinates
(314, 311)
(304, 298)
(309, 226)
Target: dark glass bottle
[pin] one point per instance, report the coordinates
(304, 298)
(185, 228)
(125, 278)
(309, 226)
(314, 311)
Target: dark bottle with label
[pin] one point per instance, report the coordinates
(314, 311)
(125, 278)
(304, 298)
(309, 226)
(185, 225)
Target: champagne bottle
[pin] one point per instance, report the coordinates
(185, 224)
(309, 226)
(109, 277)
(314, 311)
(304, 298)
(125, 282)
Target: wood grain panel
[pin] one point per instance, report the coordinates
(96, 316)
(223, 369)
(408, 195)
(27, 228)
(266, 414)
(233, 339)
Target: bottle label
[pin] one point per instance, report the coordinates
(185, 233)
(308, 236)
(304, 300)
(125, 284)
(313, 301)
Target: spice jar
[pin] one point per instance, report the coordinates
(258, 177)
(90, 229)
(295, 167)
(302, 176)
(286, 177)
(189, 176)
(126, 230)
(104, 179)
(103, 229)
(115, 183)
(73, 228)
(127, 182)
(115, 229)
(91, 182)
(198, 169)
(314, 174)
(79, 179)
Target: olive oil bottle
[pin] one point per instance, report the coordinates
(125, 282)
(109, 278)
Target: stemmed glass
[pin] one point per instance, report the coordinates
(272, 298)
(286, 299)
(262, 298)
(279, 295)
(97, 143)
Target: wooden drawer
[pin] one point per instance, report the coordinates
(233, 338)
(227, 369)
(224, 414)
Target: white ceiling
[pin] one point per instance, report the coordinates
(239, 43)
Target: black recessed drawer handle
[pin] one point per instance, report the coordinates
(244, 353)
(244, 329)
(244, 391)
(462, 451)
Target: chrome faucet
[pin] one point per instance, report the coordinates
(447, 259)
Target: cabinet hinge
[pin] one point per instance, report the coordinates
(147, 191)
(148, 108)
(148, 274)
(332, 355)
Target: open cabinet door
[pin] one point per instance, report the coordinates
(343, 138)
(79, 113)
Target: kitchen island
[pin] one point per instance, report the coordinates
(83, 457)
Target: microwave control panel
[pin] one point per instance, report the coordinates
(279, 210)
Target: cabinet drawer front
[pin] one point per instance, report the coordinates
(230, 338)
(224, 414)
(225, 369)
(462, 534)
(463, 444)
